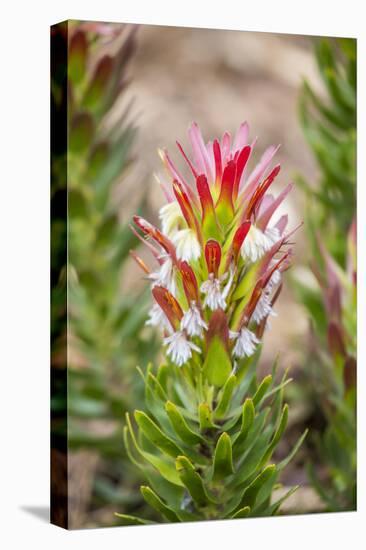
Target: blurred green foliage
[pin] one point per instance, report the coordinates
(329, 125)
(105, 333)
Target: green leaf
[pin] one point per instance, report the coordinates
(164, 466)
(155, 435)
(242, 513)
(186, 434)
(251, 492)
(273, 509)
(155, 502)
(223, 458)
(290, 456)
(248, 415)
(205, 417)
(217, 366)
(193, 481)
(278, 434)
(132, 520)
(262, 390)
(225, 398)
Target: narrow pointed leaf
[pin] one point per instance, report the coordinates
(155, 435)
(205, 417)
(155, 502)
(164, 466)
(262, 390)
(192, 480)
(248, 415)
(242, 513)
(273, 509)
(186, 434)
(278, 434)
(291, 455)
(223, 458)
(225, 398)
(132, 520)
(250, 494)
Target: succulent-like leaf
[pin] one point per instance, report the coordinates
(223, 457)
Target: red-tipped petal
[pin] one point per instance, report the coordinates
(213, 256)
(260, 191)
(184, 204)
(239, 237)
(224, 205)
(189, 282)
(210, 227)
(169, 305)
(193, 170)
(186, 208)
(205, 196)
(156, 253)
(241, 162)
(218, 161)
(173, 172)
(150, 230)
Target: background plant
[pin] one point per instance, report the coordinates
(105, 335)
(210, 428)
(330, 127)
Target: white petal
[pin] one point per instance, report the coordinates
(157, 318)
(214, 297)
(192, 322)
(245, 344)
(165, 276)
(171, 218)
(257, 243)
(187, 246)
(179, 348)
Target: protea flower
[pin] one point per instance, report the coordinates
(211, 428)
(221, 250)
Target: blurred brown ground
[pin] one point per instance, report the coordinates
(219, 79)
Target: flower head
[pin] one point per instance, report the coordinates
(220, 255)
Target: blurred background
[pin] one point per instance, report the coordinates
(133, 90)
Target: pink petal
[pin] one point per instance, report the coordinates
(225, 147)
(177, 176)
(282, 224)
(199, 151)
(241, 138)
(259, 170)
(266, 213)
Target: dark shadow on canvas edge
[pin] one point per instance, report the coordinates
(40, 512)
